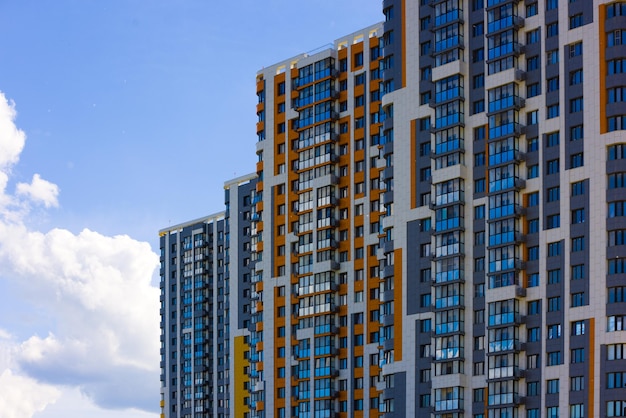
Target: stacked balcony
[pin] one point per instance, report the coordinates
(504, 242)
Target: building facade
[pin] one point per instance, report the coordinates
(437, 220)
(205, 309)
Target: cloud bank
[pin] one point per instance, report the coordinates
(96, 289)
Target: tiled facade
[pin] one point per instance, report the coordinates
(437, 222)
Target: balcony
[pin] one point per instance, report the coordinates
(498, 52)
(506, 103)
(449, 405)
(508, 22)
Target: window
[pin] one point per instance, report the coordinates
(553, 139)
(534, 334)
(532, 117)
(533, 199)
(479, 159)
(533, 226)
(478, 55)
(553, 111)
(479, 264)
(532, 36)
(576, 133)
(617, 94)
(480, 133)
(479, 395)
(616, 380)
(533, 253)
(532, 361)
(554, 277)
(554, 194)
(575, 49)
(578, 328)
(554, 249)
(576, 105)
(577, 355)
(534, 307)
(533, 171)
(479, 212)
(578, 272)
(553, 83)
(552, 57)
(576, 77)
(553, 166)
(425, 73)
(552, 4)
(554, 331)
(478, 106)
(554, 303)
(617, 237)
(532, 144)
(617, 209)
(478, 29)
(553, 28)
(577, 383)
(578, 299)
(533, 90)
(532, 63)
(478, 4)
(576, 21)
(425, 48)
(552, 386)
(616, 123)
(614, 37)
(578, 216)
(479, 186)
(578, 244)
(578, 188)
(358, 59)
(479, 81)
(531, 9)
(552, 412)
(554, 358)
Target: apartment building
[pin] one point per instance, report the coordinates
(205, 309)
(437, 223)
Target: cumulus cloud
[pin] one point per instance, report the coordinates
(96, 288)
(40, 191)
(20, 396)
(12, 139)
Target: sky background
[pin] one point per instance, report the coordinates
(119, 118)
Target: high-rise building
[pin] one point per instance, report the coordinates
(438, 223)
(205, 309)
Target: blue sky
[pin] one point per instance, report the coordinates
(120, 117)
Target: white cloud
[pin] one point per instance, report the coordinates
(12, 139)
(96, 288)
(40, 191)
(22, 397)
